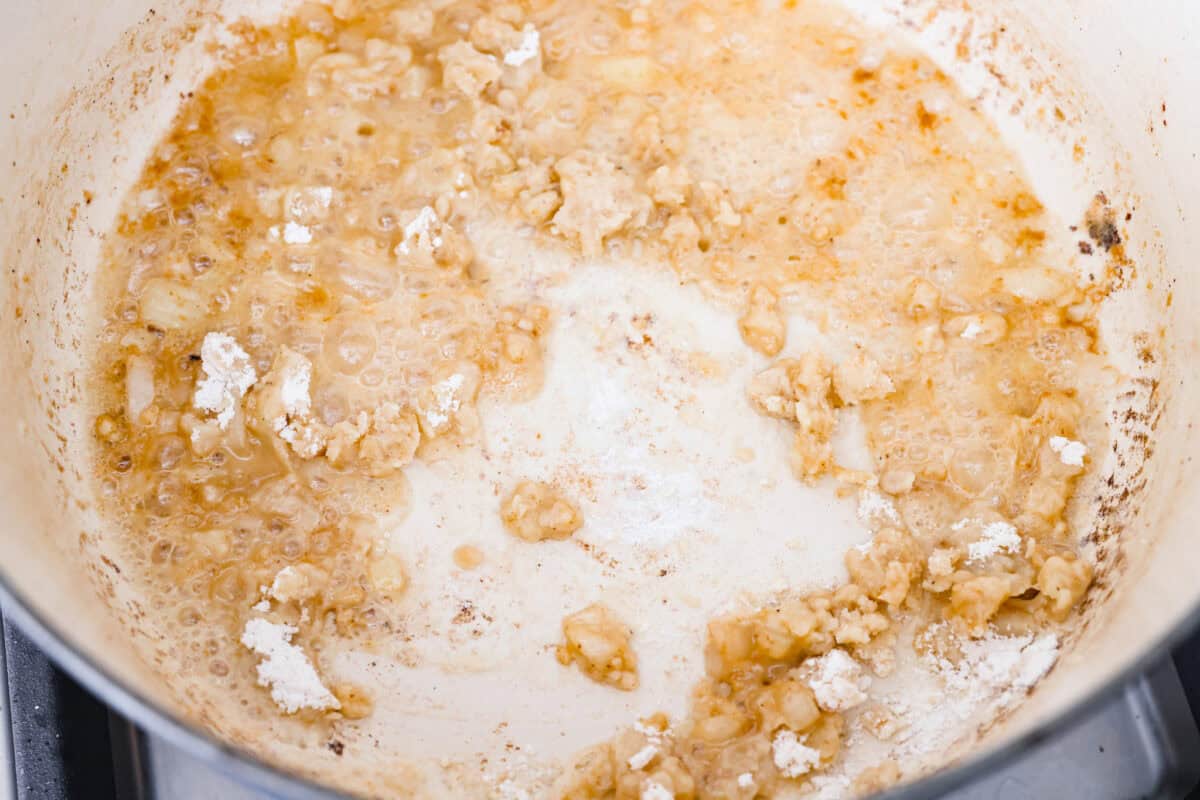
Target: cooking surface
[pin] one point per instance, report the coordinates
(1142, 743)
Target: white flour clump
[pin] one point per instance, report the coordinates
(993, 673)
(1000, 666)
(643, 757)
(295, 395)
(792, 757)
(295, 392)
(228, 375)
(285, 668)
(656, 791)
(996, 537)
(875, 509)
(1069, 452)
(838, 681)
(295, 233)
(446, 396)
(972, 330)
(527, 50)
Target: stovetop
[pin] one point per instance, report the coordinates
(62, 743)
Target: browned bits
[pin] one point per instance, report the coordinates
(599, 644)
(535, 512)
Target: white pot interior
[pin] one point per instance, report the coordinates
(1096, 95)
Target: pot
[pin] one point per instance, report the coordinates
(1097, 96)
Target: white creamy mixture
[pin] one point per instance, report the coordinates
(285, 668)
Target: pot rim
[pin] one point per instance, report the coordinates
(249, 769)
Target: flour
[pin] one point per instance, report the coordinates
(996, 537)
(876, 509)
(651, 733)
(656, 791)
(643, 757)
(293, 376)
(1000, 666)
(228, 375)
(745, 780)
(993, 674)
(306, 439)
(285, 668)
(421, 232)
(972, 330)
(243, 137)
(527, 50)
(295, 233)
(295, 391)
(1069, 452)
(838, 683)
(792, 757)
(446, 396)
